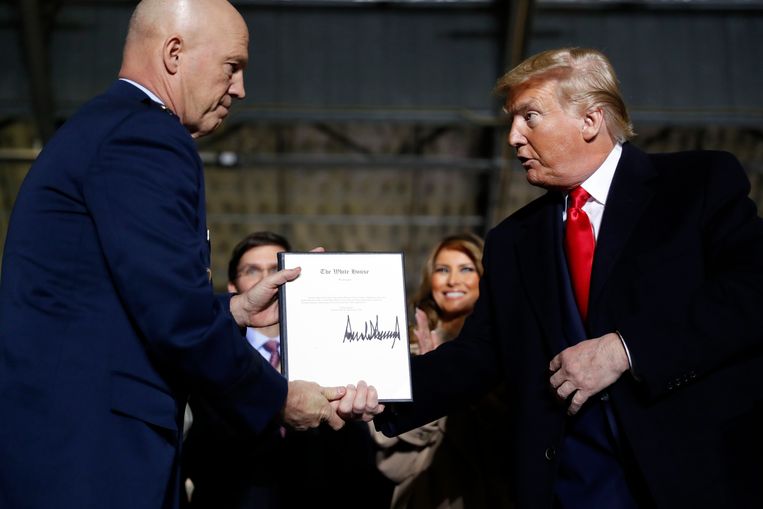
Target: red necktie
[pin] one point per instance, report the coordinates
(273, 347)
(579, 245)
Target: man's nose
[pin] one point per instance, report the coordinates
(516, 138)
(236, 88)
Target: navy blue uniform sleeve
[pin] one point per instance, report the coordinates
(145, 196)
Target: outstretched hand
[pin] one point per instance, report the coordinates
(427, 339)
(257, 306)
(360, 403)
(308, 404)
(587, 368)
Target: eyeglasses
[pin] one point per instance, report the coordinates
(251, 271)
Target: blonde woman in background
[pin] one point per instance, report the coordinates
(456, 461)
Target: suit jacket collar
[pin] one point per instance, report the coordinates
(125, 90)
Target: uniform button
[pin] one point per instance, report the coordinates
(604, 397)
(550, 453)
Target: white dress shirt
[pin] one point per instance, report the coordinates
(257, 339)
(146, 91)
(597, 185)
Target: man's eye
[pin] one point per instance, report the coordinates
(250, 272)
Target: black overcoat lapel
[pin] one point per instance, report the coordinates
(537, 254)
(628, 197)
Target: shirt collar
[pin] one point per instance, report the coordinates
(257, 338)
(599, 182)
(146, 91)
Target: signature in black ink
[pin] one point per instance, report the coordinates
(371, 331)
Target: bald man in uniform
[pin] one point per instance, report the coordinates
(107, 315)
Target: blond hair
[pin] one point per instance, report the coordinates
(585, 78)
(469, 244)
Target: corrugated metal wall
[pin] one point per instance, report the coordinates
(371, 125)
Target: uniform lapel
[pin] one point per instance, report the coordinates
(629, 195)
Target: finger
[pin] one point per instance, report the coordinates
(564, 390)
(555, 363)
(284, 275)
(333, 393)
(359, 403)
(317, 250)
(369, 416)
(372, 400)
(345, 404)
(421, 331)
(373, 407)
(333, 419)
(557, 379)
(577, 402)
(421, 320)
(273, 281)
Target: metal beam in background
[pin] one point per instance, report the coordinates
(322, 3)
(518, 24)
(364, 3)
(36, 55)
(650, 5)
(247, 161)
(309, 113)
(460, 221)
(343, 139)
(18, 155)
(751, 118)
(313, 161)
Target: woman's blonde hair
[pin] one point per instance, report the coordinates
(469, 244)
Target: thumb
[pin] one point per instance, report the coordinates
(333, 418)
(333, 393)
(555, 363)
(284, 276)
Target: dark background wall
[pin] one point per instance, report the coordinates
(371, 125)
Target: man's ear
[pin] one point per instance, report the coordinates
(171, 50)
(232, 288)
(593, 122)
